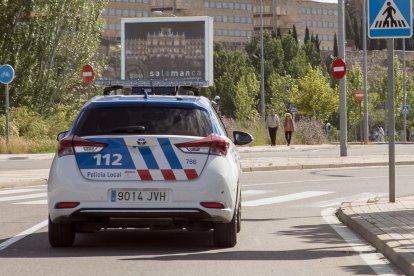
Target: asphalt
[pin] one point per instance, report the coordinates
(388, 226)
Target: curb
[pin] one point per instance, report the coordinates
(377, 238)
(34, 182)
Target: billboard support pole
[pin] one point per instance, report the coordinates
(262, 93)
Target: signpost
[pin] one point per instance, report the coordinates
(390, 19)
(338, 68)
(359, 97)
(6, 77)
(87, 76)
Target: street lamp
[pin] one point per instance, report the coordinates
(262, 95)
(161, 13)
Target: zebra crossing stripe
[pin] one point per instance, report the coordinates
(18, 191)
(23, 234)
(34, 202)
(11, 198)
(285, 198)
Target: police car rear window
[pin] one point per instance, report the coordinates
(144, 120)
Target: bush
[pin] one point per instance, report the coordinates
(309, 132)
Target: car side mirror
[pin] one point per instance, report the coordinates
(61, 135)
(242, 138)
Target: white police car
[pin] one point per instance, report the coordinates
(146, 162)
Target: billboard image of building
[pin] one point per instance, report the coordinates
(175, 49)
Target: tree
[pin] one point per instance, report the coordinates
(294, 33)
(232, 69)
(47, 42)
(246, 98)
(335, 47)
(314, 96)
(307, 35)
(278, 94)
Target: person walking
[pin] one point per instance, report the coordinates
(289, 126)
(272, 123)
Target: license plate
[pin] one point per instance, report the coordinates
(139, 196)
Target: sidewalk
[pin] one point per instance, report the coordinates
(387, 226)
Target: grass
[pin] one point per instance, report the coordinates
(25, 145)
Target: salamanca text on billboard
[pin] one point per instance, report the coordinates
(173, 48)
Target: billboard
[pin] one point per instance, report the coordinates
(168, 50)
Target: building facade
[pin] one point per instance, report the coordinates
(235, 21)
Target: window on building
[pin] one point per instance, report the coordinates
(249, 7)
(212, 4)
(125, 13)
(325, 24)
(243, 33)
(243, 20)
(313, 11)
(231, 32)
(206, 5)
(218, 5)
(225, 32)
(118, 12)
(325, 12)
(231, 6)
(231, 19)
(225, 6)
(330, 12)
(335, 12)
(237, 19)
(243, 6)
(225, 18)
(249, 20)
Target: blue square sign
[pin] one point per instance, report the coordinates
(389, 18)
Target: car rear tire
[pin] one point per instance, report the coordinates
(61, 234)
(239, 218)
(225, 234)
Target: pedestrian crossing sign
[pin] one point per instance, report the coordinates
(389, 18)
(404, 109)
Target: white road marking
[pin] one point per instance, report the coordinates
(339, 200)
(285, 198)
(11, 198)
(253, 192)
(18, 191)
(22, 235)
(319, 180)
(34, 202)
(376, 261)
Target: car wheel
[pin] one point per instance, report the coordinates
(225, 234)
(239, 218)
(61, 234)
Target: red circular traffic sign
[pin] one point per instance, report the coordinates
(359, 95)
(338, 68)
(87, 74)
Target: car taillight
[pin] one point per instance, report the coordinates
(212, 144)
(72, 144)
(212, 205)
(66, 205)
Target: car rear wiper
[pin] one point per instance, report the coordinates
(129, 129)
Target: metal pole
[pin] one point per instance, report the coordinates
(391, 119)
(404, 136)
(262, 92)
(342, 83)
(365, 71)
(7, 116)
(89, 91)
